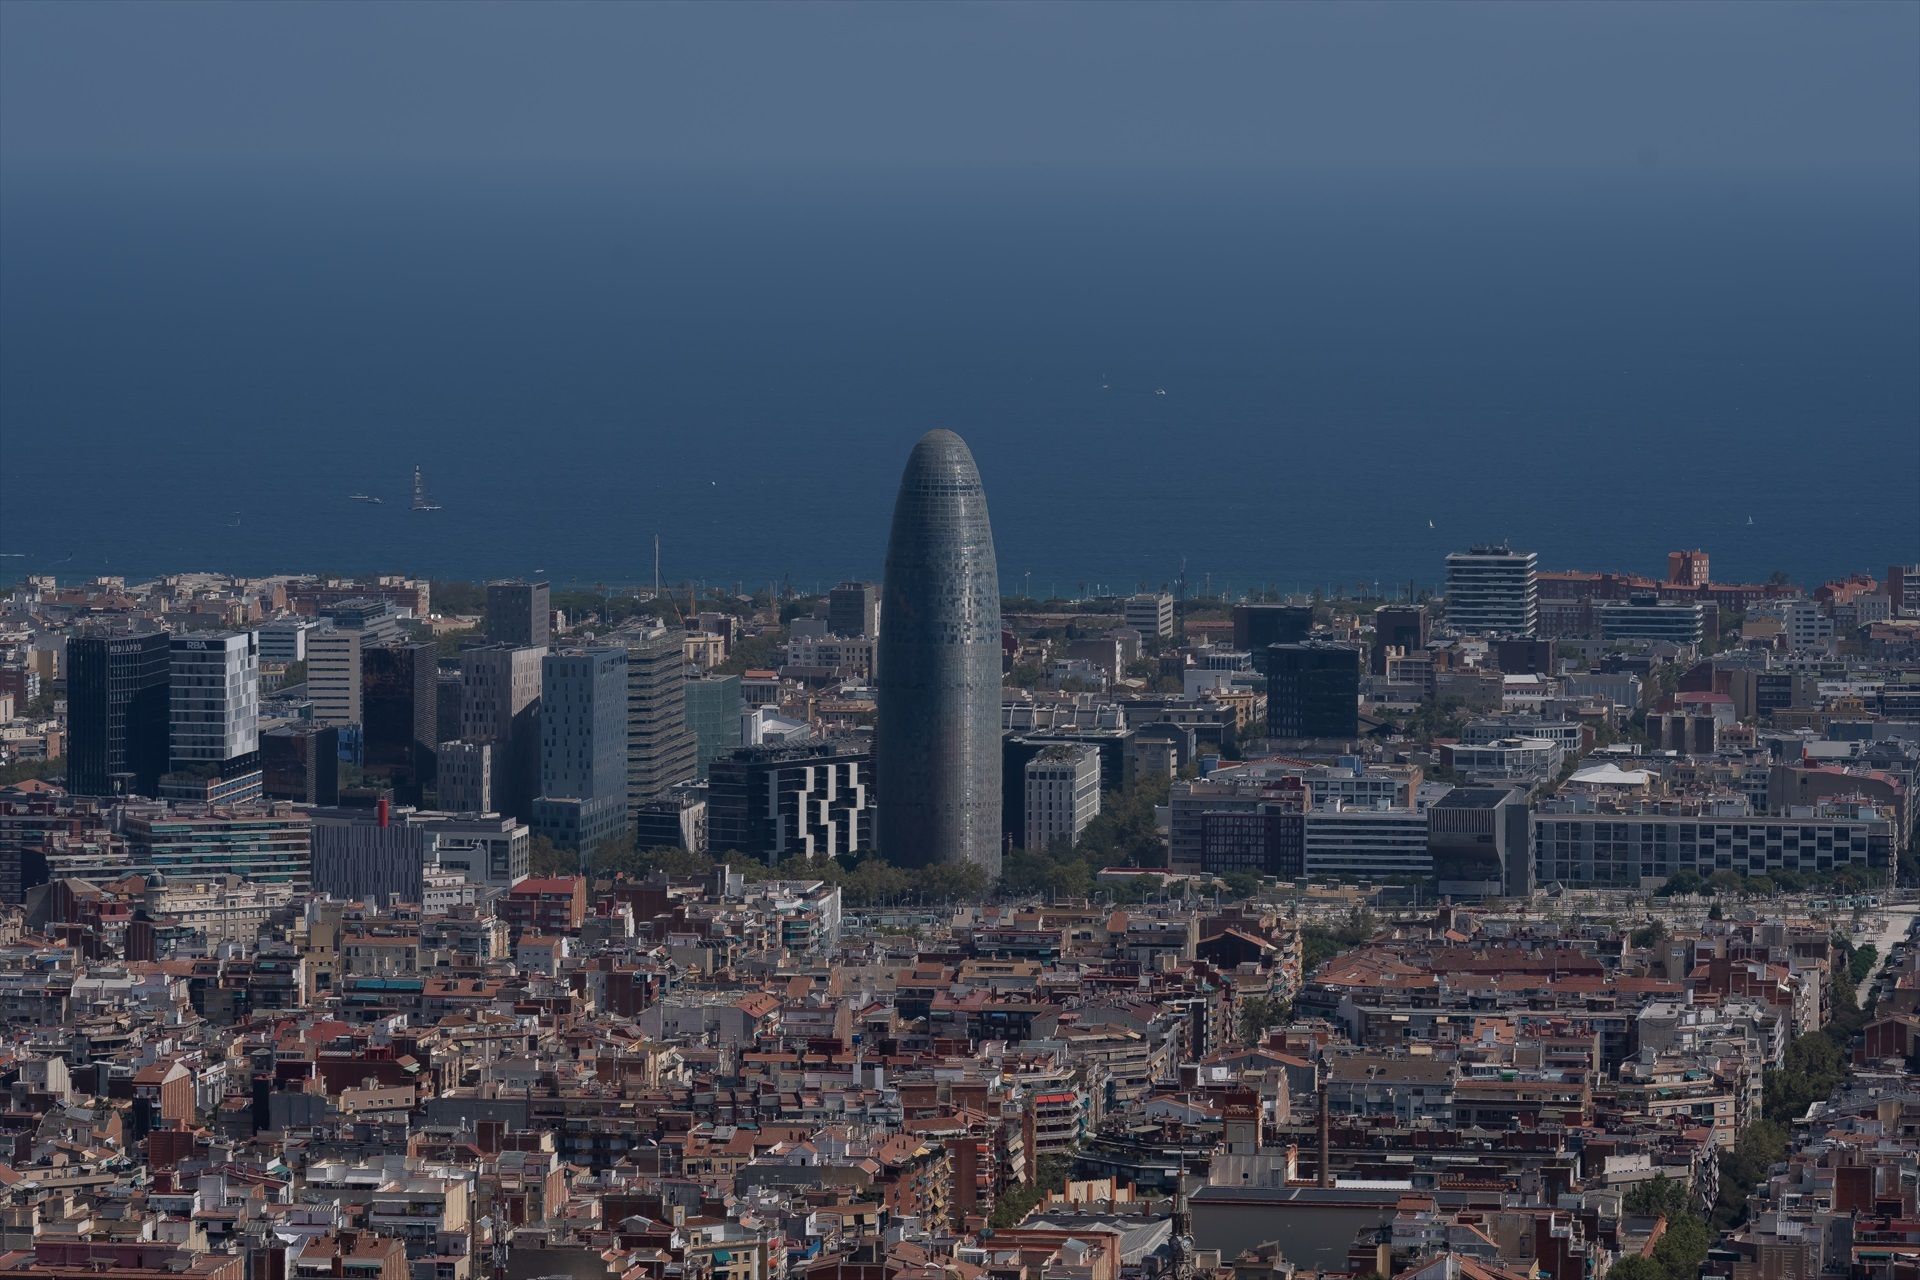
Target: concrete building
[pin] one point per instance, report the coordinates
(1150, 613)
(1480, 841)
(1519, 761)
(1063, 794)
(333, 675)
(464, 772)
(1368, 844)
(1493, 590)
(266, 844)
(400, 711)
(1256, 626)
(1238, 821)
(500, 706)
(1592, 841)
(376, 618)
(519, 614)
(661, 750)
(1398, 630)
(853, 609)
(284, 640)
(1688, 569)
(937, 740)
(583, 748)
(1903, 590)
(1808, 626)
(119, 734)
(773, 803)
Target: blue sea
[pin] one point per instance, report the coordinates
(1296, 380)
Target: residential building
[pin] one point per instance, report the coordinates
(1647, 617)
(853, 609)
(265, 844)
(333, 675)
(661, 750)
(1398, 630)
(1150, 613)
(1688, 569)
(1493, 590)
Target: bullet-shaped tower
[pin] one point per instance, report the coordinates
(937, 741)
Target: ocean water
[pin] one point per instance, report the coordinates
(1296, 380)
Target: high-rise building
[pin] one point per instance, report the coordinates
(713, 713)
(1493, 590)
(333, 675)
(500, 705)
(519, 613)
(117, 723)
(661, 751)
(937, 741)
(301, 762)
(1647, 617)
(1313, 690)
(1151, 614)
(1063, 794)
(774, 803)
(264, 844)
(853, 609)
(1255, 626)
(464, 776)
(284, 640)
(214, 704)
(449, 691)
(400, 717)
(1903, 590)
(583, 748)
(376, 618)
(1401, 627)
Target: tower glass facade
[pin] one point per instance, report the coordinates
(117, 694)
(937, 740)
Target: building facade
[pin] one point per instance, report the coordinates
(333, 675)
(500, 706)
(853, 609)
(775, 803)
(1150, 613)
(1493, 590)
(714, 707)
(214, 703)
(400, 714)
(661, 751)
(520, 614)
(583, 748)
(1313, 690)
(1063, 794)
(118, 730)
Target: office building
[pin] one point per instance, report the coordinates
(1903, 590)
(713, 713)
(1150, 613)
(1808, 625)
(301, 762)
(1582, 841)
(1480, 841)
(361, 854)
(519, 614)
(449, 704)
(263, 844)
(333, 675)
(774, 803)
(1518, 761)
(1368, 844)
(661, 751)
(1063, 794)
(464, 776)
(1237, 822)
(1256, 626)
(118, 731)
(583, 748)
(677, 820)
(1313, 690)
(1398, 630)
(500, 706)
(1647, 617)
(400, 717)
(937, 740)
(853, 609)
(376, 618)
(213, 708)
(284, 640)
(1492, 590)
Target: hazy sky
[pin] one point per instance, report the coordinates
(1697, 86)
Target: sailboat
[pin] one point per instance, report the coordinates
(420, 501)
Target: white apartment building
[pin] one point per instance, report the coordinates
(1151, 614)
(214, 696)
(1492, 590)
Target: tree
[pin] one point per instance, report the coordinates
(1637, 1269)
(1257, 1014)
(21, 770)
(1662, 1197)
(545, 859)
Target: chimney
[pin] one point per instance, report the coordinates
(380, 812)
(1326, 1145)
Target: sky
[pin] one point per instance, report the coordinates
(1710, 87)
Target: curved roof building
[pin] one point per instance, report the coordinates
(937, 740)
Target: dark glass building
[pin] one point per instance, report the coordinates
(117, 712)
(519, 613)
(1313, 691)
(937, 738)
(1397, 626)
(1255, 626)
(399, 714)
(301, 762)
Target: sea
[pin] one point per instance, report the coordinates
(1265, 381)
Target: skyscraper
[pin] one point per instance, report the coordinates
(117, 712)
(500, 705)
(937, 740)
(853, 609)
(583, 748)
(1313, 690)
(400, 706)
(661, 751)
(214, 702)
